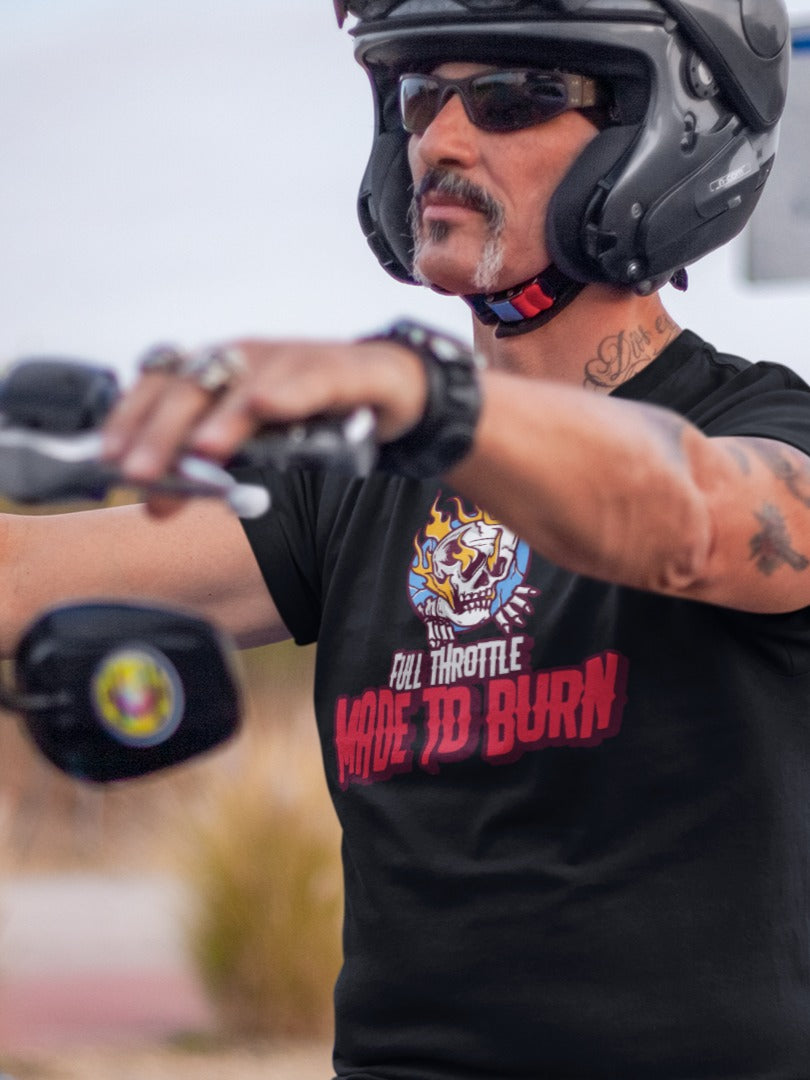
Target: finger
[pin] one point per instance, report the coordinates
(156, 367)
(295, 381)
(160, 434)
(221, 433)
(164, 431)
(160, 505)
(284, 385)
(129, 414)
(335, 378)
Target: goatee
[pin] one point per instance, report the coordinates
(466, 193)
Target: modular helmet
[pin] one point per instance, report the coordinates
(697, 87)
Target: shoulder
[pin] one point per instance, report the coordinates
(729, 368)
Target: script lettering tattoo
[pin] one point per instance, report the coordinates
(794, 472)
(618, 357)
(771, 547)
(666, 328)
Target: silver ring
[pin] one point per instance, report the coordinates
(163, 359)
(215, 369)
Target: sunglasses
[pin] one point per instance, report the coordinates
(496, 101)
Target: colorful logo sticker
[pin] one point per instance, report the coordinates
(138, 695)
(468, 569)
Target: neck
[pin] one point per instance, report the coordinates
(603, 338)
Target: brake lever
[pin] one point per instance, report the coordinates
(36, 468)
(49, 451)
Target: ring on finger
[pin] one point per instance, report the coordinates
(215, 369)
(163, 360)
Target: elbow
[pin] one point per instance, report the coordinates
(686, 554)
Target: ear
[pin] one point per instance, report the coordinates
(382, 206)
(576, 201)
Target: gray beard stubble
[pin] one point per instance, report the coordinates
(469, 194)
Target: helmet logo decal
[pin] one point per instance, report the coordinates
(733, 177)
(138, 696)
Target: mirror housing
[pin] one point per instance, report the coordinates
(114, 690)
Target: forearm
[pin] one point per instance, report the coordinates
(198, 559)
(600, 486)
(618, 490)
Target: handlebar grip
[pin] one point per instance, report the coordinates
(50, 444)
(343, 444)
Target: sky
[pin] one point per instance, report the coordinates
(184, 170)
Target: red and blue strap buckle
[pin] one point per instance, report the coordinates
(525, 304)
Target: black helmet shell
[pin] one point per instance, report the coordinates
(699, 86)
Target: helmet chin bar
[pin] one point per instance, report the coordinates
(526, 306)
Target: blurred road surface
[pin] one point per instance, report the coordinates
(87, 959)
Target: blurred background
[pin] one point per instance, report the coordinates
(187, 170)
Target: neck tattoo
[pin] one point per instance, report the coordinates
(622, 355)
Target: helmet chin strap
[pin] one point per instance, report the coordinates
(526, 306)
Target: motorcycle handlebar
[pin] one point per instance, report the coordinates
(51, 412)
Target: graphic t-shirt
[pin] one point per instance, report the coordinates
(576, 816)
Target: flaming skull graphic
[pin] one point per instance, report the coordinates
(468, 569)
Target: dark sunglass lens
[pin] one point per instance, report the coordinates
(508, 101)
(418, 100)
(498, 102)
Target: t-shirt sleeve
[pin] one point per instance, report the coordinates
(764, 401)
(283, 541)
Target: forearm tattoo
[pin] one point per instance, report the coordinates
(620, 356)
(771, 546)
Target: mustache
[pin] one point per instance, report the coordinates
(469, 194)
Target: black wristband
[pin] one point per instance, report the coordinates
(444, 434)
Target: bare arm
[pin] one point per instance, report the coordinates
(198, 558)
(614, 489)
(632, 493)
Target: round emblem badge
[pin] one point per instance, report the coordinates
(137, 695)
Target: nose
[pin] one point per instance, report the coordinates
(450, 138)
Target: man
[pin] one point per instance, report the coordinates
(563, 635)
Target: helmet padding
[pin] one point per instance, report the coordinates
(576, 200)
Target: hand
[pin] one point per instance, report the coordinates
(165, 415)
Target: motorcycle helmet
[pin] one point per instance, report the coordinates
(697, 89)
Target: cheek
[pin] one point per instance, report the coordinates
(417, 171)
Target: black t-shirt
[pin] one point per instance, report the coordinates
(576, 816)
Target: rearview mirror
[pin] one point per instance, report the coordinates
(114, 690)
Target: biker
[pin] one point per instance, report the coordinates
(563, 639)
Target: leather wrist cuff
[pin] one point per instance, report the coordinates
(444, 434)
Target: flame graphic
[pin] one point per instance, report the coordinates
(438, 527)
